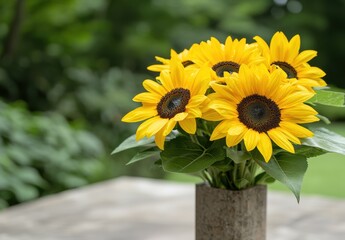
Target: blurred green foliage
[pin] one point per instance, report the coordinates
(76, 64)
(42, 154)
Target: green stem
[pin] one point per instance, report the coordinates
(253, 171)
(206, 177)
(245, 170)
(234, 173)
(242, 169)
(206, 128)
(194, 139)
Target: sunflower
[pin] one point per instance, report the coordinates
(183, 57)
(285, 55)
(175, 98)
(259, 107)
(225, 58)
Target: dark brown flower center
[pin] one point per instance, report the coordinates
(226, 66)
(173, 102)
(287, 68)
(187, 63)
(259, 113)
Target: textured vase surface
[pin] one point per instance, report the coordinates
(230, 215)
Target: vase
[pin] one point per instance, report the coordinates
(223, 214)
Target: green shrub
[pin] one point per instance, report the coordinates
(42, 154)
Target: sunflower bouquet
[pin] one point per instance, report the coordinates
(236, 114)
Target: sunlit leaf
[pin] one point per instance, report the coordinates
(153, 155)
(184, 156)
(329, 98)
(288, 169)
(131, 142)
(326, 140)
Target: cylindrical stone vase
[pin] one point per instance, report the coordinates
(230, 215)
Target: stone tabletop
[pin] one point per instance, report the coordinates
(137, 208)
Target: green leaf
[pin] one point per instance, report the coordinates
(23, 192)
(153, 155)
(71, 180)
(236, 155)
(329, 98)
(326, 140)
(308, 151)
(131, 142)
(241, 183)
(287, 168)
(184, 156)
(223, 165)
(31, 176)
(263, 178)
(323, 118)
(158, 163)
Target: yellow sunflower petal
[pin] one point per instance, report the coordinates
(244, 82)
(162, 60)
(216, 48)
(300, 119)
(300, 110)
(280, 139)
(154, 87)
(177, 74)
(220, 130)
(211, 115)
(194, 112)
(265, 146)
(147, 97)
(251, 139)
(221, 89)
(307, 119)
(165, 79)
(273, 81)
(169, 127)
(295, 98)
(201, 81)
(290, 136)
(305, 56)
(180, 116)
(223, 107)
(294, 46)
(142, 129)
(155, 126)
(264, 48)
(295, 129)
(195, 101)
(236, 128)
(232, 140)
(158, 68)
(188, 125)
(311, 72)
(276, 47)
(160, 139)
(139, 114)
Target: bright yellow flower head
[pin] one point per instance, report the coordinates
(225, 58)
(183, 57)
(285, 55)
(175, 98)
(259, 107)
